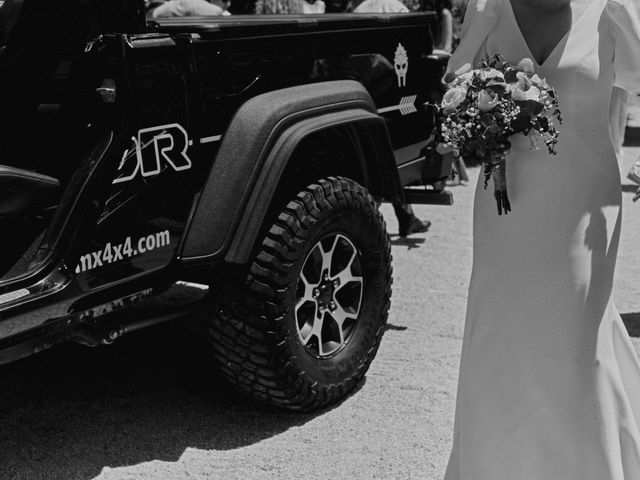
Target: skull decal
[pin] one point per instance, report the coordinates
(401, 64)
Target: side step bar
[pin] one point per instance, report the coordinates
(425, 196)
(103, 324)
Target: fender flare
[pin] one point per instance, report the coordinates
(255, 151)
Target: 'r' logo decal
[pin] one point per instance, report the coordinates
(169, 142)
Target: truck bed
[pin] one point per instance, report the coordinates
(258, 25)
(339, 36)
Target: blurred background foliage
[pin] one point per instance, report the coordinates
(458, 11)
(457, 7)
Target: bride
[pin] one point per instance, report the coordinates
(549, 385)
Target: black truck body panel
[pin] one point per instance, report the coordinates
(179, 173)
(249, 171)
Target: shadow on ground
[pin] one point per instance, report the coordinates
(632, 137)
(408, 242)
(632, 322)
(70, 411)
(398, 328)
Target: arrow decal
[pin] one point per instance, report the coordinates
(406, 106)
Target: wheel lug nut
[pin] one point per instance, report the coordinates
(332, 306)
(336, 283)
(315, 293)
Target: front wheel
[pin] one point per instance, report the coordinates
(301, 329)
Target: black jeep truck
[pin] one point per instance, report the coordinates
(244, 153)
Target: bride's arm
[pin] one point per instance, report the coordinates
(480, 18)
(625, 28)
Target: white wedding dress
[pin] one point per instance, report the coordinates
(549, 385)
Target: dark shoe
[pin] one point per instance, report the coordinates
(415, 226)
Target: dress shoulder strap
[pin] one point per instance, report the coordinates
(479, 20)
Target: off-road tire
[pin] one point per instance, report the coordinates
(253, 321)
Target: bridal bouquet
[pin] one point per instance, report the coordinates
(482, 108)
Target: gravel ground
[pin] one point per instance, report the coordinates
(152, 406)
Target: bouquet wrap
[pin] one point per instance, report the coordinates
(497, 170)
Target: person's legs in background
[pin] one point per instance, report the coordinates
(461, 171)
(408, 223)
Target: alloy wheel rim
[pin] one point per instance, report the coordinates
(329, 295)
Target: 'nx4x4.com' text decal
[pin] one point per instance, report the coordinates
(112, 253)
(169, 142)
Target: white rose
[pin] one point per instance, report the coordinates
(487, 100)
(532, 93)
(526, 65)
(524, 89)
(453, 98)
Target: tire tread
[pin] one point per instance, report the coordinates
(246, 319)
